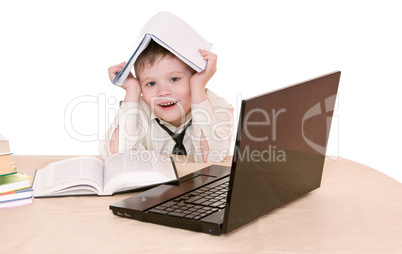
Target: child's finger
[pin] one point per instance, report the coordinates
(212, 58)
(207, 55)
(204, 52)
(114, 71)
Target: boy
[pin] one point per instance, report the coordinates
(175, 114)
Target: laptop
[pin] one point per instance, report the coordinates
(278, 157)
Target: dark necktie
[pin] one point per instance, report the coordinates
(178, 138)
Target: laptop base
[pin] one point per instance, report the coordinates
(140, 206)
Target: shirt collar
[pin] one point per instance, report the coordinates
(170, 126)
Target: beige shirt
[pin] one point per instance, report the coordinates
(138, 129)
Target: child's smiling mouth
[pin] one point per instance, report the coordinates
(168, 104)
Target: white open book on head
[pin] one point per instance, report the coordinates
(175, 35)
(88, 175)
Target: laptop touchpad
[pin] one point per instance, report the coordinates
(193, 176)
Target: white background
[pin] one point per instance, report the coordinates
(54, 57)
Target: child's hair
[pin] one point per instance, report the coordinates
(149, 56)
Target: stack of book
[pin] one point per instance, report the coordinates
(14, 187)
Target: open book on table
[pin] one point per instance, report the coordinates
(175, 35)
(88, 175)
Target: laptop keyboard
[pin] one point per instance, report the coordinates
(196, 204)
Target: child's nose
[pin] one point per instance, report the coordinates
(164, 90)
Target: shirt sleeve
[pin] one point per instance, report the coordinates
(216, 123)
(131, 121)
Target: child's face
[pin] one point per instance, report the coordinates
(166, 89)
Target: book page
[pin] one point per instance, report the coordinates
(139, 169)
(76, 168)
(59, 176)
(179, 36)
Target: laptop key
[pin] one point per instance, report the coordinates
(217, 204)
(189, 216)
(191, 200)
(199, 201)
(176, 214)
(157, 211)
(168, 204)
(207, 203)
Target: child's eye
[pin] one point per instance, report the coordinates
(174, 79)
(151, 83)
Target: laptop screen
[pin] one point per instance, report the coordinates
(280, 148)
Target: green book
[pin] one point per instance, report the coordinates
(13, 182)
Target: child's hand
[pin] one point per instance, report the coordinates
(202, 78)
(199, 80)
(131, 84)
